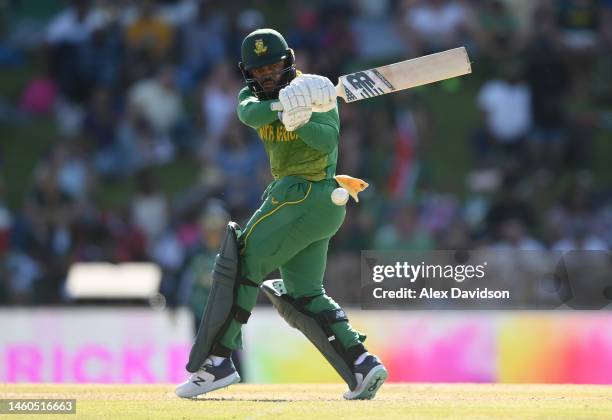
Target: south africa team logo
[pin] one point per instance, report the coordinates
(260, 48)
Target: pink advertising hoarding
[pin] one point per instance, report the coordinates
(487, 346)
(93, 345)
(120, 345)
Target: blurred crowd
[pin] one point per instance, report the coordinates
(138, 90)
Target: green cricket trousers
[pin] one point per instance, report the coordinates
(291, 231)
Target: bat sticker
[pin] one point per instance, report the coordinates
(383, 79)
(363, 84)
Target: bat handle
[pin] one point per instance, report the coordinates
(276, 106)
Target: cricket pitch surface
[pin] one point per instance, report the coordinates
(324, 401)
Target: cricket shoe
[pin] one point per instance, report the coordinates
(208, 378)
(370, 374)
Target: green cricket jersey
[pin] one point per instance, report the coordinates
(310, 152)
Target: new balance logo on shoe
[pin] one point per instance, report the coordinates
(199, 381)
(373, 387)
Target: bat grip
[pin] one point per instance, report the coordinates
(276, 106)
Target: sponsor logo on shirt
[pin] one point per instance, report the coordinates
(277, 133)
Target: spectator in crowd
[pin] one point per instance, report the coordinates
(580, 238)
(219, 101)
(142, 146)
(305, 34)
(356, 233)
(406, 231)
(129, 243)
(456, 236)
(101, 54)
(169, 254)
(505, 106)
(203, 43)
(151, 130)
(50, 214)
(75, 177)
(351, 160)
(513, 235)
(510, 215)
(92, 241)
(240, 159)
(100, 126)
(150, 210)
(575, 204)
(149, 35)
(495, 29)
(337, 39)
(157, 101)
(20, 276)
(578, 23)
(434, 25)
(66, 35)
(549, 90)
(40, 94)
(603, 223)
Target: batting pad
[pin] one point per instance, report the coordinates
(220, 308)
(310, 327)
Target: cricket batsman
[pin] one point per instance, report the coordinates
(290, 231)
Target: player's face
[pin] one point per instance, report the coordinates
(268, 76)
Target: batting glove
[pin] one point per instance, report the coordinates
(322, 91)
(297, 105)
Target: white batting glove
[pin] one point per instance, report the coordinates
(297, 105)
(322, 91)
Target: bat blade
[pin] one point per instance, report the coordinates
(407, 74)
(395, 77)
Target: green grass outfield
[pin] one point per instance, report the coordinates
(313, 401)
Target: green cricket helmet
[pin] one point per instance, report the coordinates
(263, 47)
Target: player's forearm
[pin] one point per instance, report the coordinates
(320, 136)
(255, 113)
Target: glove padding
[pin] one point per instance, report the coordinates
(322, 91)
(297, 105)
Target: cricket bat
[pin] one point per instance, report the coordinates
(406, 74)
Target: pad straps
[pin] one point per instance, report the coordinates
(241, 315)
(326, 319)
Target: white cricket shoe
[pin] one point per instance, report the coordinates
(370, 374)
(208, 378)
